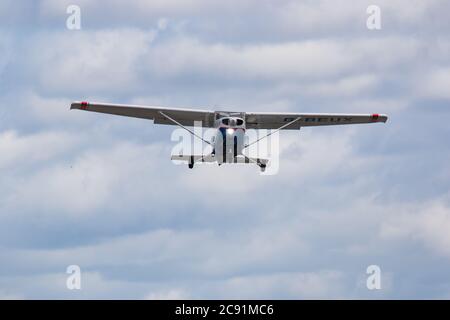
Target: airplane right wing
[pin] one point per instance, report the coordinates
(185, 117)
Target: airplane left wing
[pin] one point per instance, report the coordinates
(269, 120)
(185, 117)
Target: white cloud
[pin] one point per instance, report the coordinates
(310, 155)
(428, 223)
(295, 285)
(435, 84)
(378, 105)
(102, 60)
(172, 294)
(77, 186)
(349, 86)
(290, 61)
(142, 8)
(319, 16)
(23, 150)
(50, 110)
(80, 188)
(271, 20)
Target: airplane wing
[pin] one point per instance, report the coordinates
(184, 116)
(269, 120)
(254, 120)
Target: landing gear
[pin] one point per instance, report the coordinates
(191, 163)
(262, 167)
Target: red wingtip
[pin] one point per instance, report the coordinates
(84, 105)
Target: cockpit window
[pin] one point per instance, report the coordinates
(240, 122)
(226, 121)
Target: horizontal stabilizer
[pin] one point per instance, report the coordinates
(193, 158)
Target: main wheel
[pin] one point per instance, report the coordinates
(263, 167)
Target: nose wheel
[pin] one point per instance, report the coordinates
(191, 163)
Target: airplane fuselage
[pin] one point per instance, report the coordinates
(228, 143)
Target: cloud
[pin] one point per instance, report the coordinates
(19, 151)
(272, 21)
(101, 192)
(300, 60)
(352, 85)
(77, 185)
(429, 224)
(103, 60)
(435, 84)
(173, 294)
(295, 285)
(128, 62)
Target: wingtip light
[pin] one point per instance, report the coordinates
(376, 117)
(84, 105)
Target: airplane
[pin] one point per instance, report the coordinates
(228, 144)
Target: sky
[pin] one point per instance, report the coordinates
(100, 191)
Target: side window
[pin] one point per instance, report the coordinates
(226, 121)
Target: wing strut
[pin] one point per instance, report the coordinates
(272, 132)
(180, 125)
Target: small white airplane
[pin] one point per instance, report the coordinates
(228, 143)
